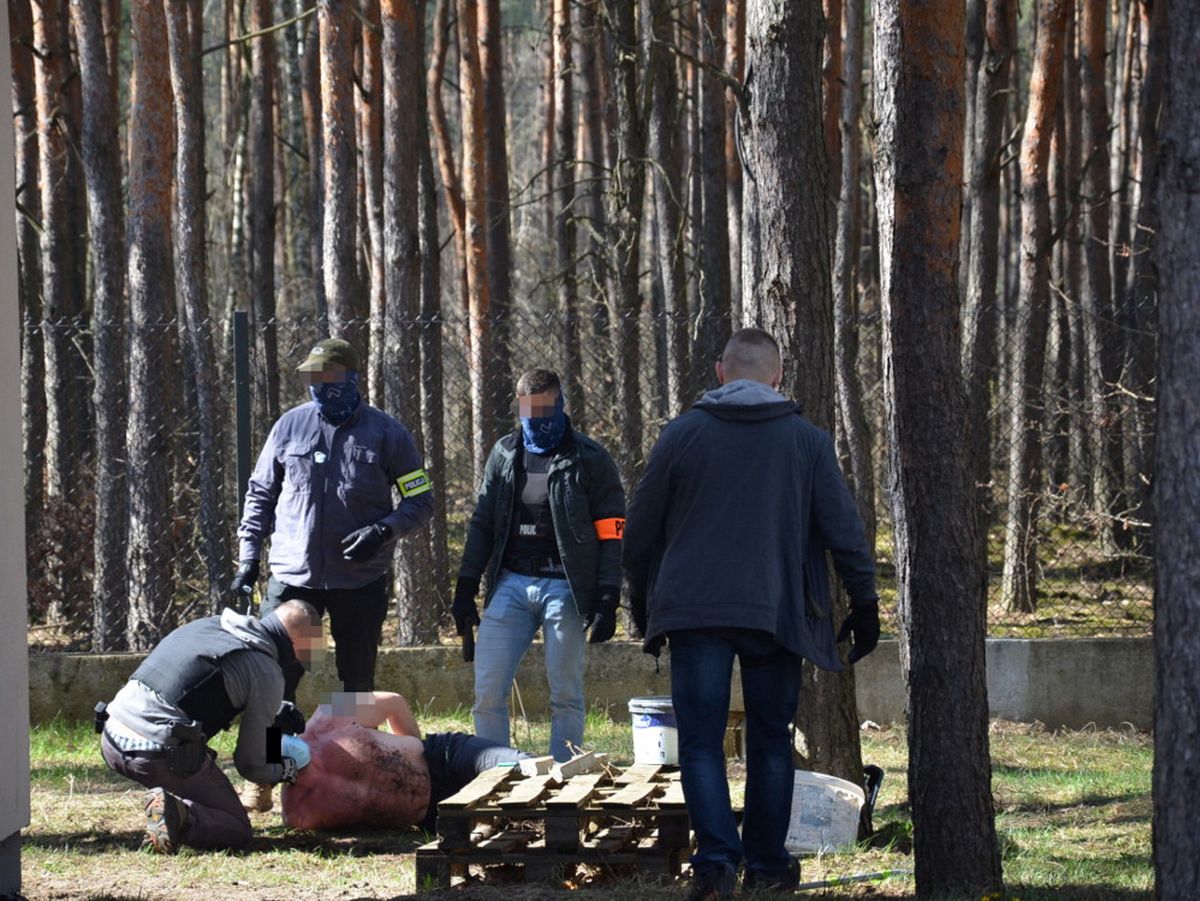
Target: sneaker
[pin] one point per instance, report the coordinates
(713, 885)
(256, 797)
(166, 819)
(757, 881)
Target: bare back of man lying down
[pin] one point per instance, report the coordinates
(360, 776)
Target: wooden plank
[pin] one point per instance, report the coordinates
(632, 795)
(526, 792)
(577, 792)
(616, 837)
(478, 789)
(508, 840)
(536, 766)
(639, 772)
(576, 766)
(672, 796)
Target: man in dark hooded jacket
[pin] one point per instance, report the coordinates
(725, 555)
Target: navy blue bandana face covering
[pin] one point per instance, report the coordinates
(543, 434)
(336, 400)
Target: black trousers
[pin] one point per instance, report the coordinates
(356, 618)
(455, 759)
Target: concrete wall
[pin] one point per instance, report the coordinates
(1107, 682)
(14, 698)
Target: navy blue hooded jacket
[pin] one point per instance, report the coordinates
(740, 501)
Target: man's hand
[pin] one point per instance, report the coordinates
(637, 608)
(289, 719)
(466, 614)
(364, 543)
(603, 618)
(245, 578)
(863, 625)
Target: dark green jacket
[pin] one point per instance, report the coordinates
(584, 488)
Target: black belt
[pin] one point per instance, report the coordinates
(545, 567)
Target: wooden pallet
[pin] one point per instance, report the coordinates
(633, 818)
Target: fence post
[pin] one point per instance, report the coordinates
(241, 368)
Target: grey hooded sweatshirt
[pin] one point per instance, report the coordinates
(730, 524)
(253, 682)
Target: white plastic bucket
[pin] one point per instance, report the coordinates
(655, 737)
(825, 813)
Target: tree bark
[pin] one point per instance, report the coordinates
(1097, 303)
(1176, 485)
(564, 213)
(626, 196)
(151, 285)
(735, 58)
(1019, 584)
(339, 158)
(185, 30)
(918, 65)
(485, 425)
(999, 46)
(549, 90)
(713, 325)
(370, 129)
(499, 231)
(29, 264)
(261, 160)
(101, 157)
(63, 397)
(785, 158)
(663, 136)
(852, 415)
(310, 74)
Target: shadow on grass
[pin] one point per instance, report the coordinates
(325, 844)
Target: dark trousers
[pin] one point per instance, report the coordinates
(701, 669)
(456, 758)
(356, 618)
(215, 815)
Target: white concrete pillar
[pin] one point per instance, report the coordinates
(14, 657)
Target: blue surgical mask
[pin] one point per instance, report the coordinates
(336, 400)
(543, 434)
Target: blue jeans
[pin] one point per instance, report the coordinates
(701, 669)
(519, 605)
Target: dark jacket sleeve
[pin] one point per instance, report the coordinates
(262, 492)
(480, 532)
(839, 526)
(416, 510)
(647, 516)
(606, 500)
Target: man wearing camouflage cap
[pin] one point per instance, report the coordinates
(323, 492)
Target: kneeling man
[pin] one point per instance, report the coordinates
(361, 776)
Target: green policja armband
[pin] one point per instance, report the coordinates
(413, 483)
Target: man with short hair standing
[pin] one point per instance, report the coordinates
(546, 534)
(725, 556)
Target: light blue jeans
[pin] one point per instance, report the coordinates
(519, 606)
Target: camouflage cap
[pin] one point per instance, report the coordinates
(329, 353)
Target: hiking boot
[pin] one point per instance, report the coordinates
(256, 797)
(716, 884)
(166, 820)
(757, 881)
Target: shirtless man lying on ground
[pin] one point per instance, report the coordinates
(361, 776)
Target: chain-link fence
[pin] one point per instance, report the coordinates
(1085, 541)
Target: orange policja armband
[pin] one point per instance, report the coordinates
(611, 529)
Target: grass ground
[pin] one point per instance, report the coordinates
(1073, 813)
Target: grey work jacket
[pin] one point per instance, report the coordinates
(315, 483)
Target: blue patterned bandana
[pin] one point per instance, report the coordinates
(543, 434)
(337, 400)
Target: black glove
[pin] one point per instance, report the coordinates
(289, 720)
(863, 624)
(603, 618)
(364, 543)
(637, 608)
(466, 614)
(244, 579)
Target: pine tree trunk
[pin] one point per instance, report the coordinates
(499, 237)
(981, 304)
(29, 264)
(299, 194)
(339, 157)
(485, 425)
(447, 166)
(713, 325)
(564, 213)
(549, 90)
(918, 63)
(261, 159)
(101, 157)
(663, 135)
(185, 29)
(626, 195)
(1176, 488)
(370, 131)
(151, 288)
(735, 57)
(310, 74)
